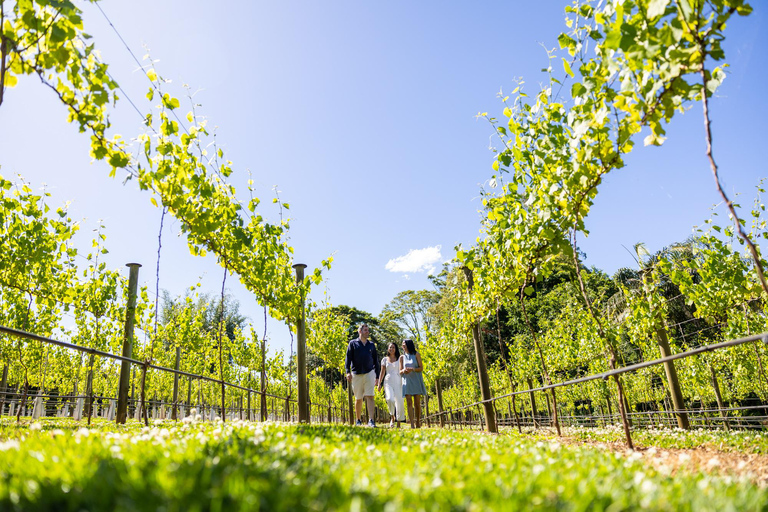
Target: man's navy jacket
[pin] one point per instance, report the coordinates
(362, 358)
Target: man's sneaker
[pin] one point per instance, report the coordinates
(371, 424)
(359, 423)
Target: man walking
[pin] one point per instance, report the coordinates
(362, 371)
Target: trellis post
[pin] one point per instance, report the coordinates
(125, 366)
(177, 365)
(482, 371)
(301, 348)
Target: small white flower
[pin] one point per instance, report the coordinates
(35, 426)
(9, 445)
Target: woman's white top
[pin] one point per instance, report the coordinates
(391, 378)
(393, 371)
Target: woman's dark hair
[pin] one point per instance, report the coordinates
(410, 346)
(397, 350)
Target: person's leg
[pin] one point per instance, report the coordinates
(370, 389)
(371, 406)
(359, 383)
(400, 408)
(417, 406)
(392, 408)
(409, 399)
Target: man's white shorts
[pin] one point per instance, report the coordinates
(364, 385)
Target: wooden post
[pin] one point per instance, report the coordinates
(622, 403)
(608, 405)
(3, 386)
(189, 393)
(301, 349)
(482, 371)
(89, 389)
(672, 380)
(513, 413)
(125, 366)
(144, 410)
(174, 414)
(351, 405)
(439, 393)
(719, 397)
(287, 409)
(534, 411)
(263, 404)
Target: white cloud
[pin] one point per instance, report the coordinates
(417, 260)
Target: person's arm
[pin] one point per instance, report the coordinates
(421, 366)
(402, 369)
(382, 374)
(376, 360)
(348, 361)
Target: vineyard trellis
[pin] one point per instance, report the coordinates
(751, 422)
(557, 148)
(333, 412)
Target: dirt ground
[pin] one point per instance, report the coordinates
(707, 459)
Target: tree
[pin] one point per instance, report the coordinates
(411, 313)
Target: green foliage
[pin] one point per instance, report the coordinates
(627, 68)
(276, 467)
(48, 40)
(327, 336)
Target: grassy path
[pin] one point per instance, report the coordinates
(57, 465)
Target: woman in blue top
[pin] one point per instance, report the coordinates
(413, 382)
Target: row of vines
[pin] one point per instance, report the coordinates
(627, 69)
(46, 289)
(521, 295)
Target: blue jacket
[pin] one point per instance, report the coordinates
(362, 358)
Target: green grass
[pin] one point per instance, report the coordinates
(57, 465)
(750, 441)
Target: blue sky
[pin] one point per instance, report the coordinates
(363, 116)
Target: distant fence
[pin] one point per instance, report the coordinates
(471, 415)
(281, 408)
(79, 406)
